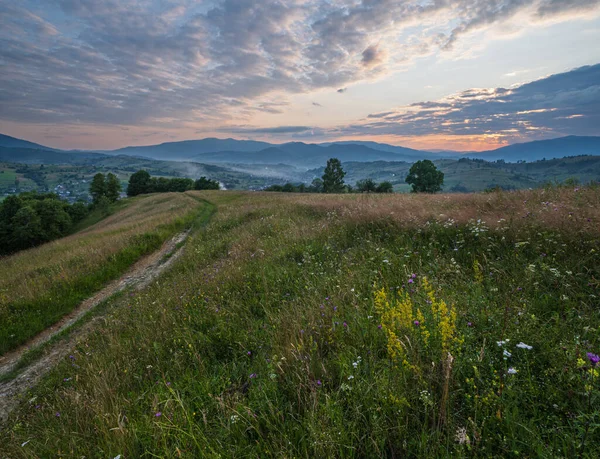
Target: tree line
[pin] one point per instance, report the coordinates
(30, 219)
(423, 176)
(141, 182)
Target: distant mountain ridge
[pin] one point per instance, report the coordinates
(13, 142)
(305, 155)
(542, 149)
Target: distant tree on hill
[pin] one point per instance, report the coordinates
(366, 186)
(333, 177)
(98, 187)
(204, 183)
(316, 186)
(384, 187)
(113, 187)
(138, 183)
(425, 177)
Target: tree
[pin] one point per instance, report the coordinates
(98, 187)
(204, 183)
(316, 186)
(333, 177)
(366, 186)
(138, 183)
(384, 187)
(26, 228)
(425, 177)
(113, 187)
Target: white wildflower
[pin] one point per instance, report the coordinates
(522, 345)
(512, 371)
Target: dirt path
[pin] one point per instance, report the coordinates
(139, 276)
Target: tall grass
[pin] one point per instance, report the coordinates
(41, 285)
(299, 326)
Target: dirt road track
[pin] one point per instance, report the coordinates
(139, 276)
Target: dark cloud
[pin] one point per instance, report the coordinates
(566, 103)
(342, 90)
(372, 56)
(317, 104)
(151, 62)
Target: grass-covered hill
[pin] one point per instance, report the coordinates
(467, 175)
(345, 326)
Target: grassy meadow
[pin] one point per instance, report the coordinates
(41, 285)
(336, 326)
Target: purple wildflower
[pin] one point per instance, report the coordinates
(249, 352)
(469, 324)
(413, 275)
(410, 281)
(417, 323)
(158, 414)
(319, 382)
(253, 375)
(57, 414)
(593, 358)
(379, 326)
(345, 325)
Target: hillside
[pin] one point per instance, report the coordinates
(543, 149)
(13, 142)
(466, 175)
(333, 326)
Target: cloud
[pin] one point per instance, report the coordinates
(561, 104)
(317, 104)
(267, 130)
(372, 56)
(342, 90)
(172, 62)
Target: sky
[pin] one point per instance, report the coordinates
(429, 74)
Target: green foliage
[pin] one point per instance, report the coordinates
(113, 187)
(141, 183)
(98, 187)
(425, 177)
(333, 177)
(369, 186)
(204, 183)
(30, 219)
(138, 183)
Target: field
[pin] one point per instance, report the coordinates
(40, 285)
(339, 326)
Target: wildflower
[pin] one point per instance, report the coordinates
(413, 275)
(379, 326)
(249, 352)
(512, 371)
(350, 378)
(503, 342)
(593, 358)
(158, 414)
(345, 325)
(522, 345)
(506, 354)
(469, 324)
(253, 375)
(25, 443)
(417, 323)
(319, 383)
(410, 281)
(57, 414)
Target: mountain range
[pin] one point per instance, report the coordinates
(298, 154)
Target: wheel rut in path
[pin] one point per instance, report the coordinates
(139, 276)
